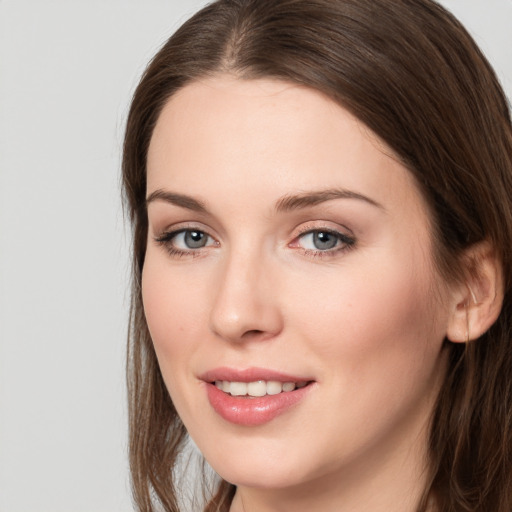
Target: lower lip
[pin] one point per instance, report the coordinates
(253, 411)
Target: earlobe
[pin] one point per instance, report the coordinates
(477, 302)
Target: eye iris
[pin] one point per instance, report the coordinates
(195, 239)
(323, 240)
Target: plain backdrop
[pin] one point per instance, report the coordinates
(67, 71)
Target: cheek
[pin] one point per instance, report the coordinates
(172, 312)
(374, 320)
(376, 338)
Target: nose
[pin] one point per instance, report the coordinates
(246, 305)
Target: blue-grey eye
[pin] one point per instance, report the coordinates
(324, 240)
(194, 239)
(187, 239)
(320, 240)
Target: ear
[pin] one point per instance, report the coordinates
(477, 301)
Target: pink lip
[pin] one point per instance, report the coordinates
(249, 375)
(252, 411)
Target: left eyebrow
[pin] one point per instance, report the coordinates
(299, 201)
(181, 200)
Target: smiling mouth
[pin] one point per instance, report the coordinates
(254, 396)
(258, 388)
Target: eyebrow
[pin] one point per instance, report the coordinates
(177, 199)
(284, 204)
(299, 201)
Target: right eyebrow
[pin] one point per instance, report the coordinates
(181, 200)
(296, 202)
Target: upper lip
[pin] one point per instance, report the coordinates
(249, 375)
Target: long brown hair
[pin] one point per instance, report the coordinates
(413, 75)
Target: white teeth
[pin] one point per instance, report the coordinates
(238, 388)
(288, 386)
(274, 387)
(257, 388)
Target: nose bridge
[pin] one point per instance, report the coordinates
(244, 306)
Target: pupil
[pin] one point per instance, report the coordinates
(195, 239)
(323, 240)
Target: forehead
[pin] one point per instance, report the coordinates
(223, 134)
(251, 105)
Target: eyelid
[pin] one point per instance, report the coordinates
(178, 227)
(173, 235)
(167, 235)
(326, 226)
(344, 235)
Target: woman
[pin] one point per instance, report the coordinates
(320, 195)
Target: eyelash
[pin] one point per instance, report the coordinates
(166, 238)
(347, 243)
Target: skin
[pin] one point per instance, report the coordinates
(366, 321)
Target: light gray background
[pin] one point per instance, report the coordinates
(67, 70)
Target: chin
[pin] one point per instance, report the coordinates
(261, 477)
(263, 467)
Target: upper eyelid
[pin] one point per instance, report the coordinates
(320, 230)
(334, 232)
(308, 227)
(184, 226)
(173, 232)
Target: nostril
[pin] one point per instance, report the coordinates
(253, 333)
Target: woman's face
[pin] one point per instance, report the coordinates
(289, 256)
